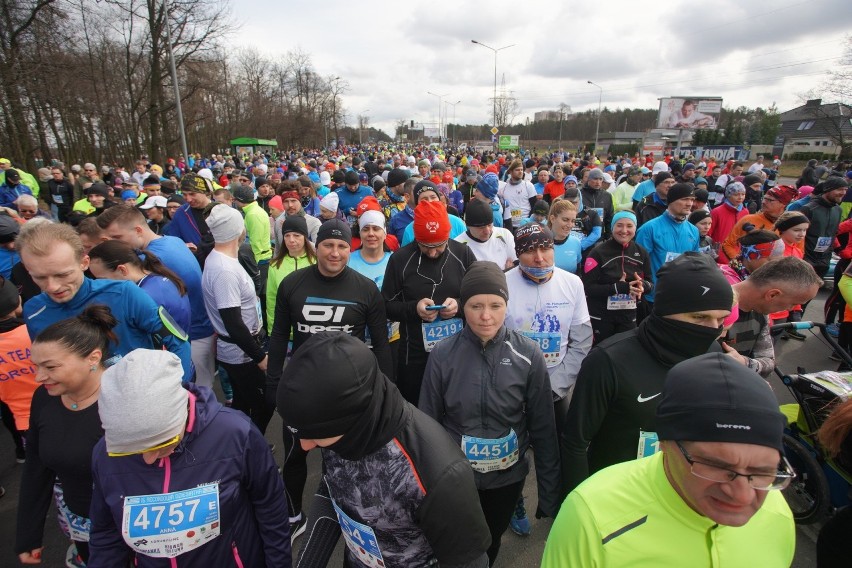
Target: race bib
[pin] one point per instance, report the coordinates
(549, 343)
(491, 454)
(649, 444)
(438, 330)
(168, 524)
(517, 216)
(78, 527)
(621, 302)
(259, 309)
(360, 539)
(58, 199)
(671, 256)
(599, 211)
(823, 244)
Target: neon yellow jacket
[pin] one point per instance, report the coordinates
(630, 515)
(257, 229)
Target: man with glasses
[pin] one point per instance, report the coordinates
(421, 287)
(709, 494)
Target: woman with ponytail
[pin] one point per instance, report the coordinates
(115, 260)
(64, 427)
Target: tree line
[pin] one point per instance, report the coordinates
(89, 80)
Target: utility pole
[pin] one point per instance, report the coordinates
(166, 21)
(494, 111)
(598, 127)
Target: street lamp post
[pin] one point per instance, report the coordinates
(494, 111)
(454, 117)
(167, 23)
(439, 109)
(598, 126)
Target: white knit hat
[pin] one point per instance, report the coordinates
(330, 201)
(142, 402)
(225, 223)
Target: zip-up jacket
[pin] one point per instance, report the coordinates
(602, 275)
(665, 239)
(600, 201)
(488, 391)
(819, 242)
(221, 447)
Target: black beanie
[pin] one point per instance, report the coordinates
(295, 224)
(397, 176)
(691, 283)
(10, 299)
(697, 216)
(334, 229)
(679, 191)
(532, 236)
(830, 184)
(478, 214)
(712, 398)
(9, 229)
(752, 179)
(483, 277)
(317, 409)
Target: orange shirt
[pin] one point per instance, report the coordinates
(17, 375)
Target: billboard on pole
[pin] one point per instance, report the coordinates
(431, 132)
(509, 142)
(690, 113)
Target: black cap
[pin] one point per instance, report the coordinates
(12, 175)
(483, 277)
(478, 214)
(396, 177)
(329, 407)
(334, 229)
(680, 191)
(98, 188)
(9, 229)
(691, 283)
(10, 299)
(425, 185)
(295, 224)
(193, 183)
(712, 398)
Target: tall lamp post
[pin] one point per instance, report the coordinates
(175, 81)
(454, 118)
(439, 109)
(494, 112)
(598, 126)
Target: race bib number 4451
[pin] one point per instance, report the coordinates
(168, 524)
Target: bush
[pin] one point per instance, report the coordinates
(621, 149)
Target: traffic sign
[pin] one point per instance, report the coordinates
(493, 138)
(494, 130)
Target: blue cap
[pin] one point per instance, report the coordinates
(128, 194)
(622, 215)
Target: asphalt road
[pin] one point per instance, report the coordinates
(520, 552)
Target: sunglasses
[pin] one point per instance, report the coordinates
(165, 444)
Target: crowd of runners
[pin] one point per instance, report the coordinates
(434, 321)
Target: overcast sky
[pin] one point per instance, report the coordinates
(749, 52)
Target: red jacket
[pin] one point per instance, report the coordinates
(724, 218)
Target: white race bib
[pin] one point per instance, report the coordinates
(491, 454)
(549, 343)
(360, 539)
(649, 444)
(823, 244)
(166, 525)
(671, 256)
(620, 302)
(438, 330)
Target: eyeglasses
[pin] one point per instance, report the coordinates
(430, 245)
(760, 481)
(769, 199)
(244, 180)
(165, 444)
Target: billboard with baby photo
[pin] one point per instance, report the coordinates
(690, 113)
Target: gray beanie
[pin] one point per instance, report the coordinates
(142, 402)
(225, 223)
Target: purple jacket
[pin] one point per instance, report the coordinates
(221, 447)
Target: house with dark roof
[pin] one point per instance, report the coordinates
(817, 127)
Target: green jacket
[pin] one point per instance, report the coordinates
(630, 515)
(258, 231)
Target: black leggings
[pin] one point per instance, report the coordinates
(294, 472)
(498, 504)
(248, 382)
(9, 423)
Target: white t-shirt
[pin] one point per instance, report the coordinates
(226, 284)
(499, 249)
(545, 313)
(517, 200)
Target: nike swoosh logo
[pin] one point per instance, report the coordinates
(641, 398)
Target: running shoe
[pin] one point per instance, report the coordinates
(72, 559)
(20, 455)
(520, 524)
(2, 490)
(297, 528)
(793, 334)
(833, 329)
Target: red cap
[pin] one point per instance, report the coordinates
(277, 203)
(492, 168)
(431, 223)
(369, 203)
(448, 177)
(784, 193)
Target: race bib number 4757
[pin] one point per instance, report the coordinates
(169, 524)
